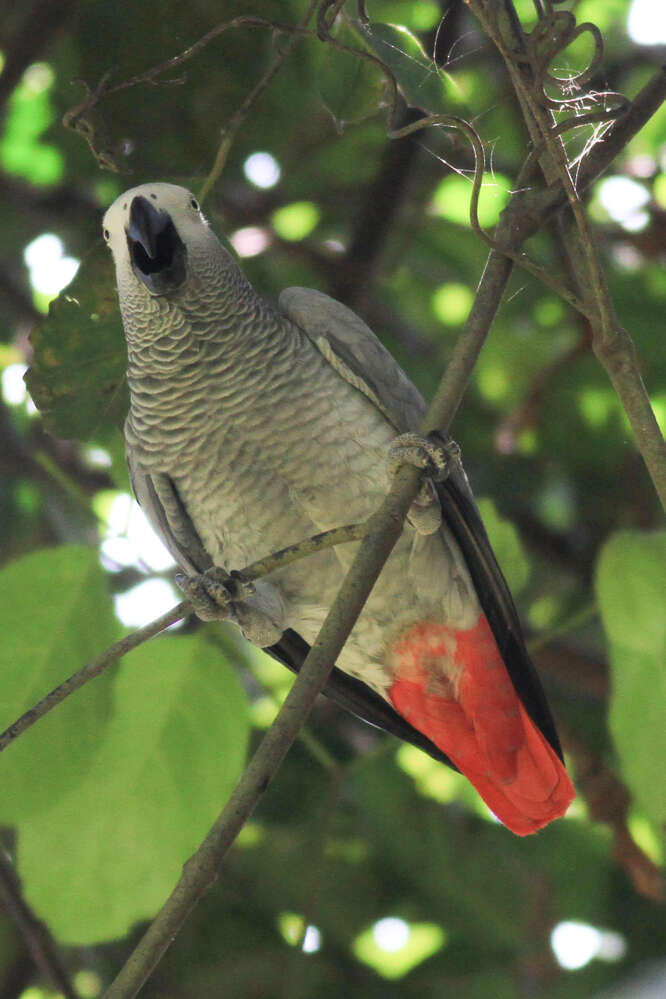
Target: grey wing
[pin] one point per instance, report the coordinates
(158, 498)
(351, 347)
(357, 355)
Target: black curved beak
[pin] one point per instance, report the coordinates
(157, 252)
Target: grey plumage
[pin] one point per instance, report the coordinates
(253, 427)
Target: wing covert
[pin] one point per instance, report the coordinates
(358, 356)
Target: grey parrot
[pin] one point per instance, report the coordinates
(253, 427)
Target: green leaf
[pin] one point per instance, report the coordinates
(632, 600)
(30, 113)
(394, 952)
(77, 376)
(507, 546)
(417, 75)
(295, 221)
(451, 303)
(107, 854)
(58, 615)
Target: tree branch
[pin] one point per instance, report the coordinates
(91, 670)
(34, 932)
(609, 802)
(79, 119)
(616, 352)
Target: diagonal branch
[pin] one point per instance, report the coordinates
(264, 566)
(609, 802)
(92, 669)
(39, 942)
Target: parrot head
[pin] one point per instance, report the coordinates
(156, 233)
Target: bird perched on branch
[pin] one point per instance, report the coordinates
(252, 428)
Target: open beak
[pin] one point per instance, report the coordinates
(157, 252)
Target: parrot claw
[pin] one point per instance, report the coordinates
(213, 593)
(433, 454)
(218, 595)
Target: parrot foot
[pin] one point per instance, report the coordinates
(434, 456)
(213, 593)
(217, 595)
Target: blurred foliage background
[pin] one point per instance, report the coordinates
(368, 869)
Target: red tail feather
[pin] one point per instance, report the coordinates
(454, 687)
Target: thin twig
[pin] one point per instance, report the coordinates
(79, 119)
(262, 567)
(614, 348)
(302, 549)
(519, 257)
(245, 21)
(231, 128)
(620, 132)
(453, 121)
(609, 801)
(391, 98)
(91, 670)
(38, 940)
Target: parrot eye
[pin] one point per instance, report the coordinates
(106, 234)
(195, 204)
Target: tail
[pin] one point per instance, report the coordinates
(470, 709)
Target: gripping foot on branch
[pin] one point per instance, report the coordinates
(217, 595)
(434, 456)
(213, 593)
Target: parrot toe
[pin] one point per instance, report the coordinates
(432, 454)
(214, 592)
